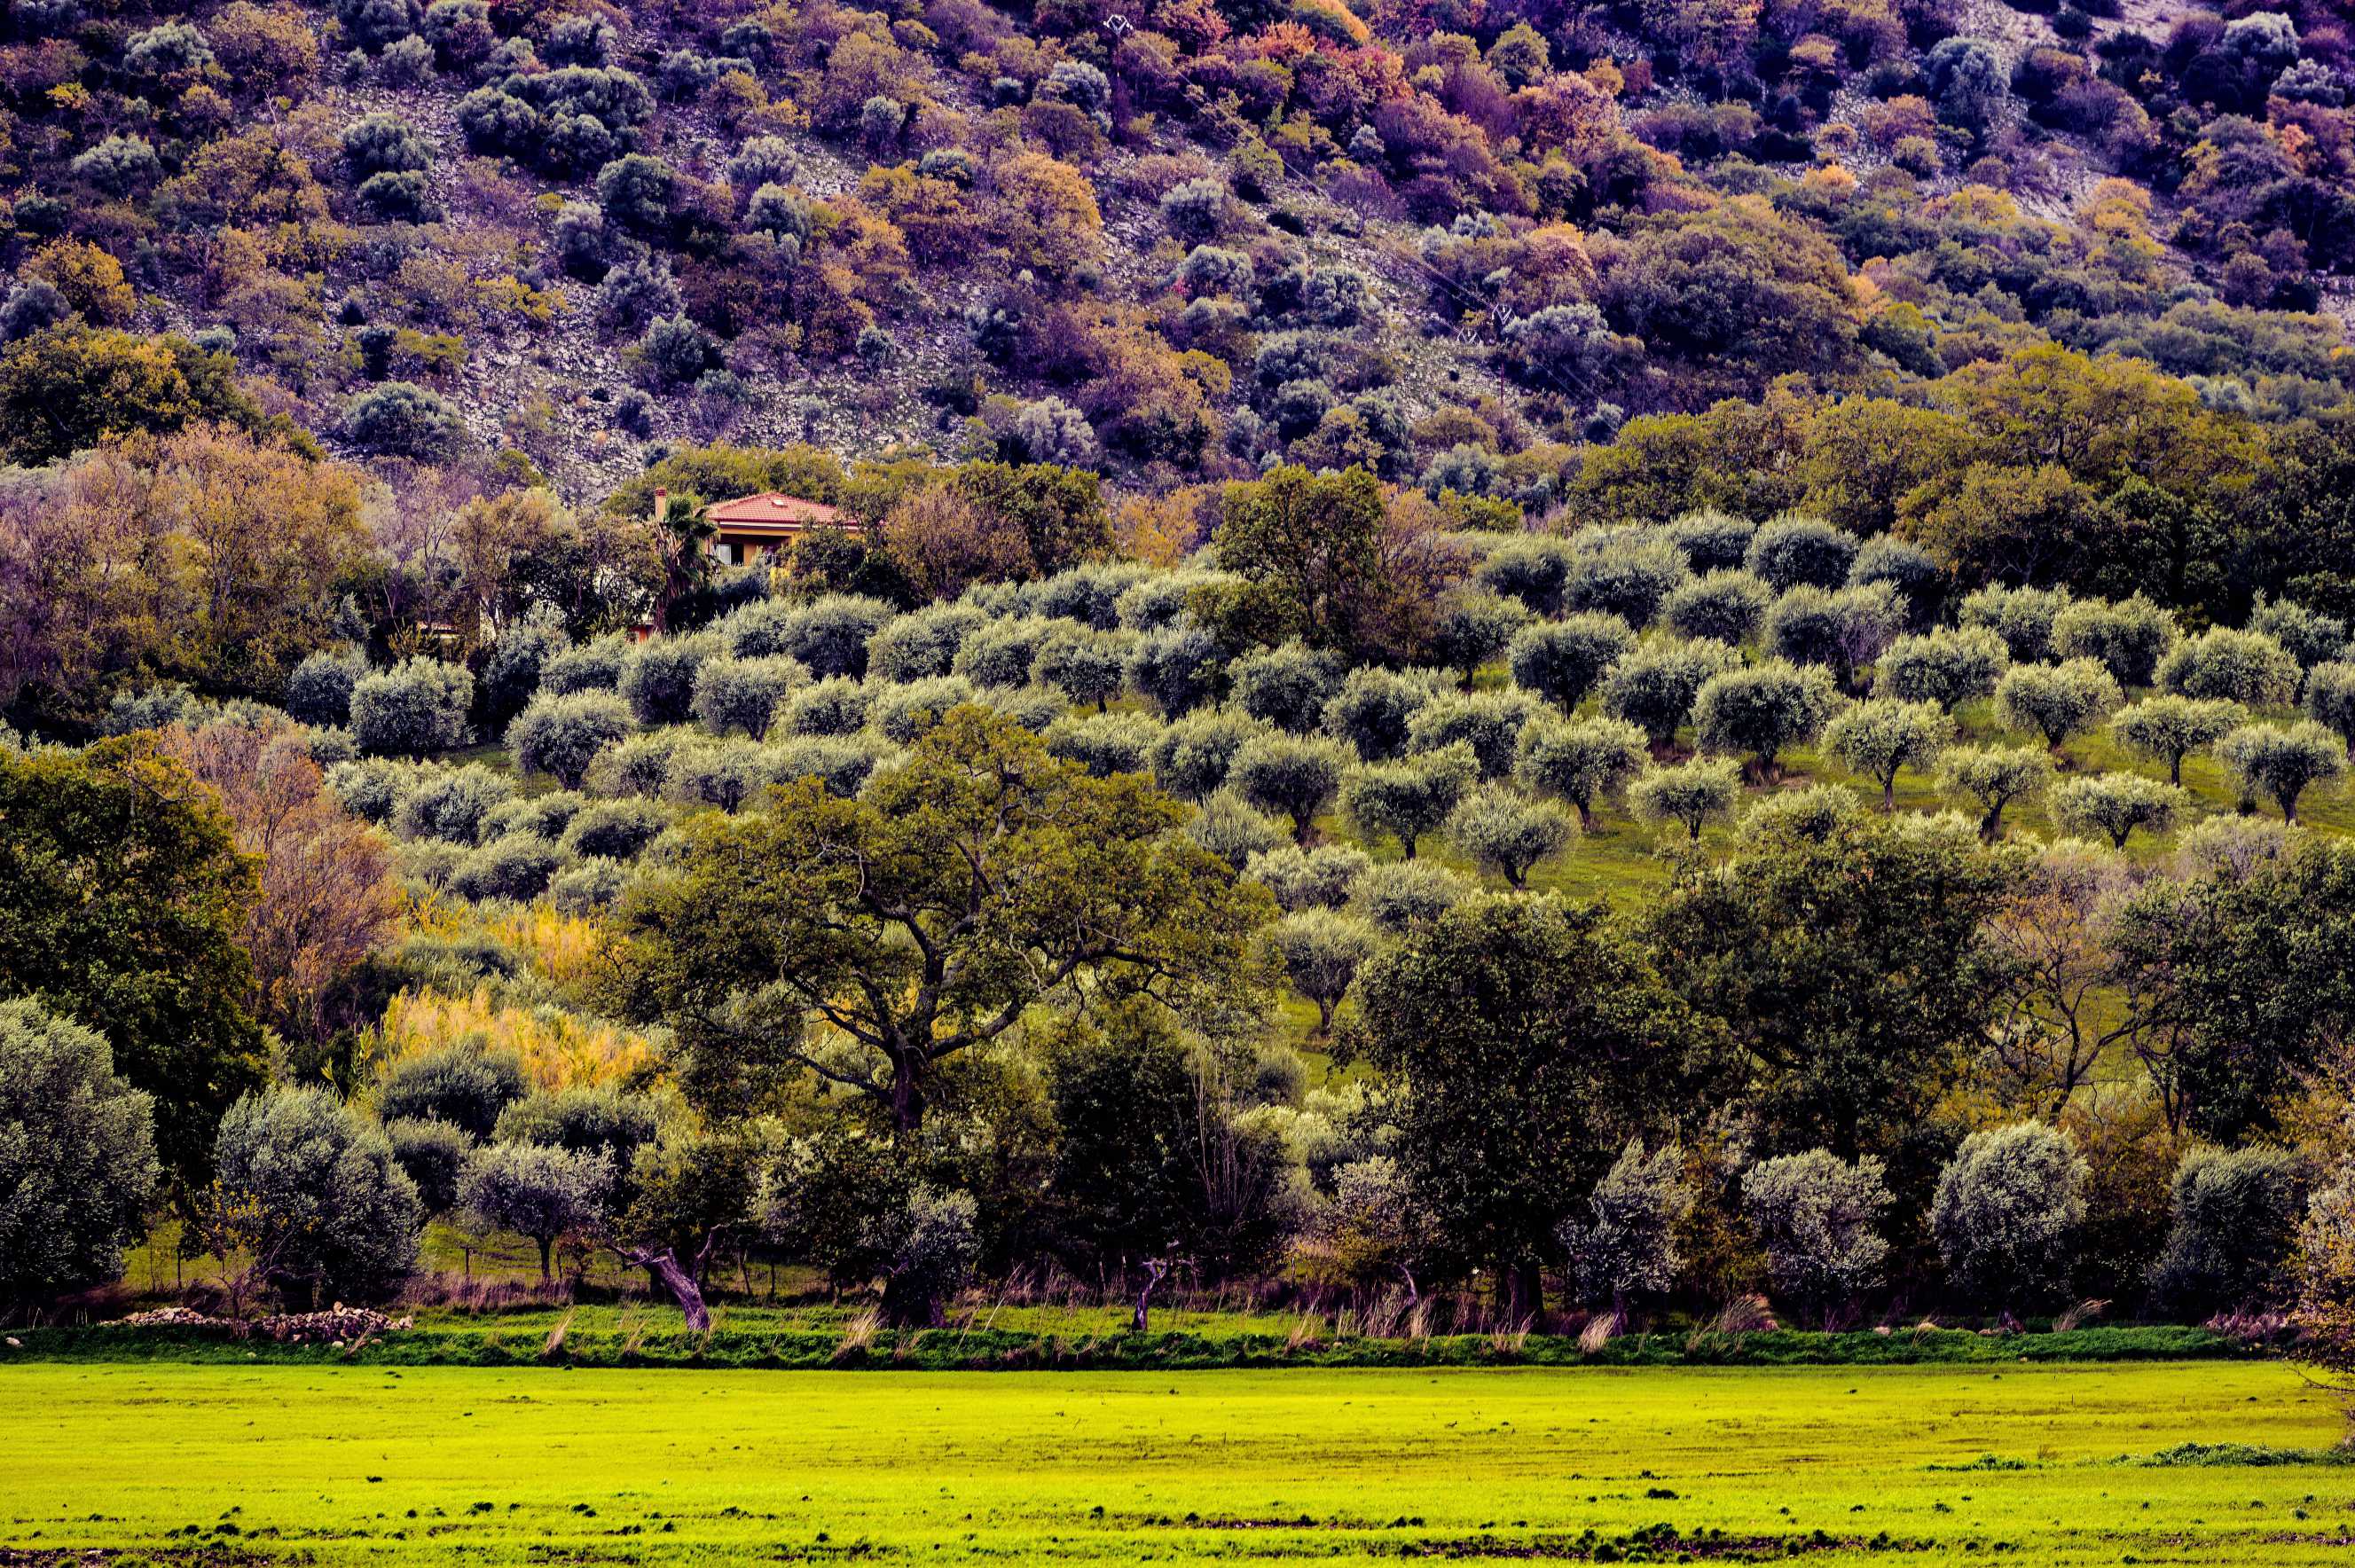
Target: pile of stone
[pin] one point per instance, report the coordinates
(340, 1325)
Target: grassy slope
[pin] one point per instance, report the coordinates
(374, 1465)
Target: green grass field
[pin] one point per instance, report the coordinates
(371, 1465)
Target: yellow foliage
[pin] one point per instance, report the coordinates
(559, 1049)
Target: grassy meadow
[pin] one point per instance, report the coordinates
(2025, 1464)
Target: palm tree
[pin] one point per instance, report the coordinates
(683, 537)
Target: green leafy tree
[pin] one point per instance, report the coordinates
(2129, 637)
(1580, 761)
(1992, 778)
(1655, 688)
(1560, 661)
(1762, 709)
(1510, 834)
(2247, 668)
(338, 1220)
(536, 1190)
(1690, 795)
(868, 941)
(2009, 1208)
(1529, 1041)
(2114, 804)
(1945, 666)
(2329, 699)
(1408, 798)
(2056, 702)
(77, 1156)
(561, 736)
(2282, 762)
(1297, 777)
(1320, 952)
(121, 897)
(1817, 1215)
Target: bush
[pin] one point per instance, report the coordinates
(561, 736)
(1533, 568)
(463, 1086)
(1192, 756)
(840, 766)
(432, 1154)
(1630, 1247)
(1906, 568)
(658, 678)
(1816, 1215)
(77, 1156)
(1085, 666)
(371, 789)
(831, 634)
(2008, 1208)
(1176, 668)
(924, 642)
(902, 714)
(337, 1217)
(724, 774)
(636, 765)
(613, 829)
(1623, 579)
(399, 419)
(594, 666)
(1001, 653)
(1711, 540)
(1793, 552)
(512, 668)
(2234, 1215)
(319, 691)
(1228, 826)
(453, 805)
(416, 707)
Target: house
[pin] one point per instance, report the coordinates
(752, 527)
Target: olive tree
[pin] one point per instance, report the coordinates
(463, 1085)
(658, 678)
(1322, 878)
(1405, 894)
(1628, 579)
(303, 1182)
(2129, 638)
(319, 691)
(2247, 668)
(1655, 688)
(1792, 551)
(1474, 628)
(1490, 722)
(1375, 706)
(2114, 804)
(1580, 761)
(416, 707)
(1842, 629)
(2329, 699)
(1191, 757)
(560, 736)
(1724, 606)
(2022, 617)
(2009, 1208)
(1286, 686)
(2056, 700)
(2168, 728)
(541, 1192)
(1945, 666)
(1880, 737)
(1508, 833)
(1992, 777)
(1411, 798)
(2234, 1216)
(1320, 950)
(1294, 775)
(733, 694)
(1815, 1216)
(1086, 666)
(1628, 1246)
(1691, 794)
(77, 1156)
(1562, 661)
(2281, 762)
(1760, 710)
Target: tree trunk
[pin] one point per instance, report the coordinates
(1154, 1268)
(666, 1273)
(1406, 842)
(907, 1097)
(909, 1303)
(1586, 816)
(546, 1250)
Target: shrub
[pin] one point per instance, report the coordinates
(561, 736)
(430, 1154)
(120, 166)
(2009, 1208)
(77, 1156)
(1840, 631)
(453, 805)
(658, 678)
(336, 1217)
(319, 691)
(1508, 833)
(417, 706)
(463, 1086)
(517, 867)
(1626, 578)
(1815, 1215)
(2307, 635)
(1794, 551)
(399, 419)
(1724, 606)
(371, 789)
(1562, 661)
(2232, 1218)
(1630, 1247)
(1690, 795)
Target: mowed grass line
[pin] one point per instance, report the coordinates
(657, 1467)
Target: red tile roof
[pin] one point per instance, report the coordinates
(786, 513)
